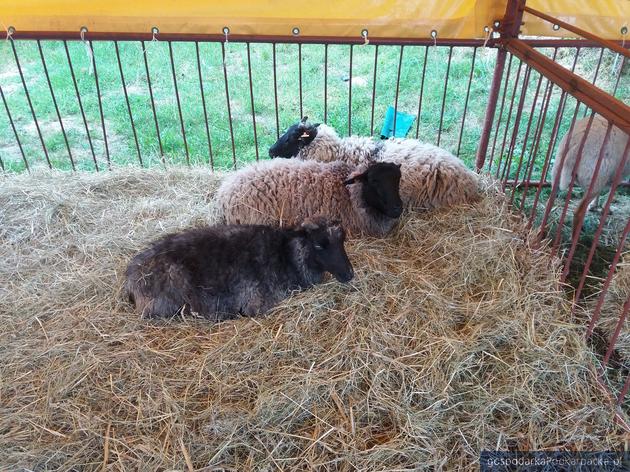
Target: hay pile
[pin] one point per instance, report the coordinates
(618, 293)
(453, 337)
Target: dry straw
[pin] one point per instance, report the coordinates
(454, 337)
(613, 307)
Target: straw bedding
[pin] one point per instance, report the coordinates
(453, 337)
(613, 307)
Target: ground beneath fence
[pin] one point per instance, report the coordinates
(453, 337)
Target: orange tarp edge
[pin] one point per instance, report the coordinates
(382, 18)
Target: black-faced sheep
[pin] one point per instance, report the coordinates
(282, 192)
(612, 156)
(225, 270)
(431, 177)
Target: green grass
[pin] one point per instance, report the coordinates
(118, 126)
(120, 138)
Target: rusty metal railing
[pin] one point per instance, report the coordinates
(527, 127)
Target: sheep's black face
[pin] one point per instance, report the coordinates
(326, 240)
(381, 188)
(296, 137)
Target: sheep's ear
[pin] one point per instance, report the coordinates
(356, 178)
(309, 225)
(335, 229)
(304, 119)
(399, 165)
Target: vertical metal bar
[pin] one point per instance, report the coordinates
(555, 183)
(525, 139)
(30, 103)
(623, 63)
(275, 90)
(599, 63)
(540, 126)
(537, 133)
(615, 336)
(397, 89)
(179, 106)
(495, 89)
(155, 120)
(567, 200)
(205, 111)
(448, 69)
(602, 219)
(76, 90)
(517, 123)
(17, 138)
(350, 93)
(251, 97)
(124, 87)
(509, 118)
(326, 83)
(577, 225)
(606, 285)
(229, 108)
(424, 69)
(552, 143)
(54, 99)
(578, 49)
(553, 138)
(300, 78)
(374, 89)
(100, 105)
(624, 391)
(470, 77)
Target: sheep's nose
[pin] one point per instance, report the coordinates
(347, 277)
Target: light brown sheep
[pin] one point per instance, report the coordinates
(612, 156)
(283, 192)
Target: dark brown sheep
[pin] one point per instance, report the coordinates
(226, 270)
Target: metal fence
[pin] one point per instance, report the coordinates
(548, 103)
(502, 104)
(231, 113)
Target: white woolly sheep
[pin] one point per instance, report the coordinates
(612, 156)
(282, 192)
(431, 176)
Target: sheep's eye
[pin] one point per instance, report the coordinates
(318, 247)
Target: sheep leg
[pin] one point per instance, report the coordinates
(580, 214)
(595, 204)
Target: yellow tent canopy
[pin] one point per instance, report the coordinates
(382, 18)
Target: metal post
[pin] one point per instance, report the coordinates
(497, 78)
(510, 27)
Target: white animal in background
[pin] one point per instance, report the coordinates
(612, 156)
